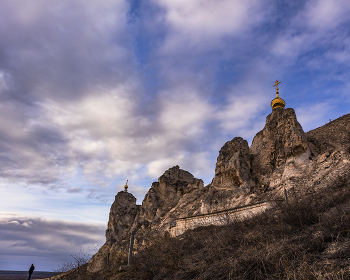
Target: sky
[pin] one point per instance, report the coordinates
(94, 93)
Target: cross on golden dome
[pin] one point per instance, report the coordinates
(276, 85)
(277, 102)
(126, 186)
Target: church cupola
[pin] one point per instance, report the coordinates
(126, 186)
(277, 102)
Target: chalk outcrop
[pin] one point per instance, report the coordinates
(166, 194)
(174, 195)
(281, 139)
(233, 165)
(121, 217)
(166, 200)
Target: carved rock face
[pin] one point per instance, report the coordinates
(282, 138)
(233, 165)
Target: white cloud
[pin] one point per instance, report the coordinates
(57, 203)
(106, 136)
(239, 111)
(4, 81)
(182, 118)
(291, 46)
(58, 53)
(326, 14)
(183, 112)
(202, 24)
(157, 167)
(318, 24)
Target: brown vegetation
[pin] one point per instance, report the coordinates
(309, 239)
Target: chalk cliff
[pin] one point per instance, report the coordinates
(282, 156)
(281, 139)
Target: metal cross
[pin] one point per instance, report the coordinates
(276, 85)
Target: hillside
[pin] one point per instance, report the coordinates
(309, 237)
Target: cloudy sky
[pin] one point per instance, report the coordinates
(93, 93)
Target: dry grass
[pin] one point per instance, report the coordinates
(309, 239)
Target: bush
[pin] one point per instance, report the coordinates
(78, 260)
(300, 212)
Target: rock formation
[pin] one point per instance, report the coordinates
(280, 151)
(232, 178)
(165, 201)
(233, 165)
(282, 138)
(175, 194)
(165, 195)
(281, 157)
(121, 217)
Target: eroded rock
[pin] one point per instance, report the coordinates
(164, 196)
(121, 217)
(282, 138)
(233, 165)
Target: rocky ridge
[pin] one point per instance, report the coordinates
(282, 156)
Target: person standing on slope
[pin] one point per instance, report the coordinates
(31, 270)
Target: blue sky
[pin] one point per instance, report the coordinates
(93, 93)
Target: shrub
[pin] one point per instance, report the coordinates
(78, 260)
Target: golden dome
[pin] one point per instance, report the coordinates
(126, 186)
(277, 102)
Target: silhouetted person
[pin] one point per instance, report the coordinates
(31, 270)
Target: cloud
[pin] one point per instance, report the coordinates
(326, 14)
(45, 242)
(82, 108)
(316, 26)
(61, 53)
(203, 24)
(76, 102)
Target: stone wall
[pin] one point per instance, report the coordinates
(218, 218)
